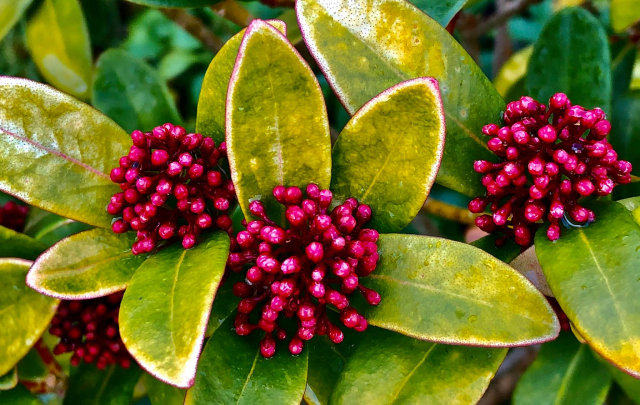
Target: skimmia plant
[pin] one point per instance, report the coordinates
(259, 258)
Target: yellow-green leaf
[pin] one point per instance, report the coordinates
(623, 14)
(16, 244)
(50, 158)
(276, 121)
(58, 39)
(50, 228)
(163, 316)
(388, 155)
(9, 380)
(512, 71)
(10, 13)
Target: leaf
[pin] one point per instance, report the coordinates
(564, 373)
(623, 14)
(366, 46)
(90, 264)
(277, 125)
(163, 316)
(9, 380)
(112, 386)
(58, 39)
(450, 292)
(176, 3)
(506, 253)
(572, 56)
(161, 393)
(388, 154)
(441, 11)
(593, 273)
(20, 395)
(625, 135)
(131, 92)
(210, 120)
(624, 57)
(629, 384)
(232, 371)
(16, 244)
(71, 177)
(225, 303)
(24, 313)
(512, 71)
(528, 265)
(32, 368)
(414, 372)
(50, 228)
(10, 13)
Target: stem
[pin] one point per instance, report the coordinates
(47, 358)
(194, 26)
(234, 12)
(450, 212)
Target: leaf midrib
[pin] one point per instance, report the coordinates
(251, 371)
(568, 375)
(408, 377)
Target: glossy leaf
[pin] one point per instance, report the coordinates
(450, 292)
(71, 177)
(9, 380)
(16, 244)
(10, 13)
(629, 384)
(176, 3)
(58, 39)
(272, 137)
(366, 46)
(441, 11)
(528, 265)
(625, 135)
(512, 71)
(388, 155)
(623, 14)
(572, 56)
(90, 264)
(161, 393)
(131, 92)
(24, 313)
(564, 373)
(225, 303)
(50, 228)
(163, 316)
(20, 395)
(232, 371)
(32, 368)
(593, 273)
(414, 372)
(112, 386)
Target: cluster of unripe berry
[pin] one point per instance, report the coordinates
(13, 216)
(172, 188)
(299, 271)
(550, 157)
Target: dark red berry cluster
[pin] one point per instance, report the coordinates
(13, 216)
(89, 330)
(297, 272)
(551, 156)
(172, 187)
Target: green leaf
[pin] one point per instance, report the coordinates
(161, 393)
(9, 380)
(232, 371)
(366, 46)
(414, 372)
(24, 313)
(131, 92)
(277, 125)
(50, 228)
(10, 13)
(388, 154)
(32, 368)
(20, 395)
(629, 384)
(593, 273)
(112, 386)
(441, 11)
(16, 244)
(176, 3)
(572, 56)
(506, 253)
(624, 57)
(450, 292)
(512, 71)
(90, 264)
(625, 135)
(58, 39)
(163, 316)
(623, 14)
(71, 177)
(225, 303)
(564, 373)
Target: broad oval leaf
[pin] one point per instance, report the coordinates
(577, 64)
(441, 11)
(112, 386)
(20, 395)
(623, 14)
(161, 393)
(58, 39)
(131, 92)
(450, 292)
(164, 312)
(414, 372)
(16, 244)
(9, 380)
(564, 373)
(593, 273)
(10, 13)
(24, 313)
(389, 153)
(232, 371)
(90, 264)
(50, 228)
(625, 135)
(276, 121)
(176, 3)
(366, 46)
(71, 177)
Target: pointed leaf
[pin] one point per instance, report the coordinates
(16, 244)
(232, 371)
(176, 3)
(24, 313)
(20, 395)
(572, 56)
(131, 92)
(366, 46)
(388, 155)
(90, 264)
(9, 380)
(10, 13)
(112, 386)
(441, 11)
(273, 138)
(623, 14)
(564, 373)
(71, 177)
(161, 393)
(50, 228)
(450, 292)
(58, 39)
(414, 372)
(164, 312)
(593, 273)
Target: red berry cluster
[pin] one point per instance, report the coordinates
(13, 216)
(89, 329)
(551, 157)
(298, 271)
(167, 179)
